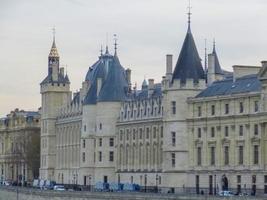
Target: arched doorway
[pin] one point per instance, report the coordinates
(224, 182)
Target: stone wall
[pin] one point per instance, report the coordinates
(9, 193)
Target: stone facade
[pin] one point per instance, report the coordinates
(19, 146)
(196, 130)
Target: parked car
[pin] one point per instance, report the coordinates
(226, 193)
(7, 183)
(59, 188)
(49, 185)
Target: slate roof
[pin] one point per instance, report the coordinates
(61, 79)
(218, 69)
(98, 71)
(245, 84)
(115, 87)
(91, 71)
(189, 64)
(76, 98)
(143, 94)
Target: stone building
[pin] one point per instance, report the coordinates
(19, 146)
(199, 129)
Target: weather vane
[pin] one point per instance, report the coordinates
(189, 11)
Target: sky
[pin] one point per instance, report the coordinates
(147, 30)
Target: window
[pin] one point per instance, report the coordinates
(121, 135)
(173, 103)
(256, 129)
(111, 156)
(111, 142)
(265, 184)
(161, 131)
(226, 155)
(83, 156)
(100, 156)
(213, 110)
(173, 138)
(134, 132)
(240, 155)
(100, 126)
(212, 156)
(241, 107)
(226, 108)
(173, 159)
(199, 156)
(100, 142)
(83, 143)
(241, 130)
(212, 132)
(238, 179)
(199, 132)
(84, 128)
(226, 131)
(127, 135)
(147, 133)
(140, 134)
(256, 154)
(199, 113)
(256, 106)
(154, 132)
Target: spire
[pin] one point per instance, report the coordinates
(101, 50)
(218, 69)
(53, 52)
(189, 64)
(106, 50)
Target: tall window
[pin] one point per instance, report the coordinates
(121, 135)
(140, 133)
(83, 156)
(111, 156)
(100, 156)
(199, 156)
(226, 155)
(173, 138)
(256, 106)
(154, 132)
(83, 143)
(212, 156)
(256, 154)
(241, 131)
(226, 131)
(100, 142)
(199, 113)
(173, 107)
(256, 129)
(241, 107)
(173, 159)
(226, 108)
(265, 184)
(199, 132)
(111, 142)
(212, 134)
(240, 155)
(161, 131)
(84, 128)
(147, 133)
(213, 110)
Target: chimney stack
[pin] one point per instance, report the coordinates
(169, 66)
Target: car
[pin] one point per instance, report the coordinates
(59, 188)
(7, 183)
(226, 193)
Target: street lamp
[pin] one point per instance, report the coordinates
(157, 178)
(145, 181)
(90, 182)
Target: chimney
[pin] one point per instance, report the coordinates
(211, 69)
(150, 87)
(61, 71)
(99, 85)
(169, 66)
(128, 76)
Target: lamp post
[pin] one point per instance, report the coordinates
(215, 185)
(145, 181)
(90, 182)
(157, 178)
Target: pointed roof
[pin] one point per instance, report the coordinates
(189, 64)
(53, 52)
(144, 84)
(115, 87)
(218, 69)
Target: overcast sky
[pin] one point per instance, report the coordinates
(147, 30)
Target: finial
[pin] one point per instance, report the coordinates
(189, 13)
(115, 43)
(106, 50)
(101, 50)
(54, 34)
(214, 45)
